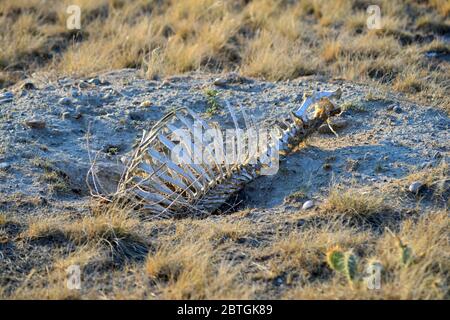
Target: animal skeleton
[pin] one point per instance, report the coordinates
(174, 185)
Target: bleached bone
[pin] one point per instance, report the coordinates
(165, 187)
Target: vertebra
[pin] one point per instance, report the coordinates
(202, 179)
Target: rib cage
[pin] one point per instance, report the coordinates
(166, 187)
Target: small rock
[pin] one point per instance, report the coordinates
(65, 115)
(415, 187)
(220, 82)
(35, 124)
(391, 107)
(83, 85)
(146, 104)
(95, 81)
(65, 101)
(397, 109)
(308, 205)
(27, 85)
(137, 116)
(4, 166)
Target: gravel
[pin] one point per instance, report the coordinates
(69, 122)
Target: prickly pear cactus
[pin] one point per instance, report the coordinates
(343, 262)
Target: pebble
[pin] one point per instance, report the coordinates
(65, 101)
(397, 109)
(308, 205)
(4, 166)
(415, 187)
(137, 115)
(35, 124)
(146, 104)
(391, 107)
(65, 115)
(95, 81)
(220, 82)
(27, 85)
(83, 85)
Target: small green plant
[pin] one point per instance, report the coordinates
(112, 151)
(378, 167)
(406, 253)
(345, 263)
(56, 181)
(42, 163)
(213, 104)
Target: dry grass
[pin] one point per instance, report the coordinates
(231, 258)
(425, 278)
(272, 39)
(435, 180)
(189, 271)
(238, 256)
(353, 203)
(3, 219)
(113, 229)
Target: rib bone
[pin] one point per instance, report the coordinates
(182, 186)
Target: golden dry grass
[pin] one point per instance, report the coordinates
(94, 228)
(3, 219)
(272, 39)
(353, 202)
(234, 256)
(425, 278)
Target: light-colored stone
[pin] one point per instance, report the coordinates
(220, 82)
(65, 101)
(65, 115)
(308, 205)
(145, 104)
(4, 166)
(94, 81)
(397, 109)
(415, 187)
